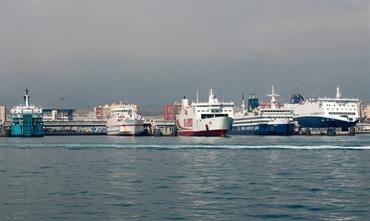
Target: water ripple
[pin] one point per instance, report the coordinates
(246, 178)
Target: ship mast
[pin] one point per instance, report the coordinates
(212, 98)
(26, 98)
(243, 103)
(273, 96)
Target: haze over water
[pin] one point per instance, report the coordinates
(185, 178)
(78, 53)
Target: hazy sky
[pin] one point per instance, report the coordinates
(153, 52)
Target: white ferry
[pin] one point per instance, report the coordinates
(212, 118)
(124, 120)
(325, 112)
(273, 120)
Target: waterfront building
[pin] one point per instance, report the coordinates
(366, 112)
(170, 111)
(84, 114)
(102, 112)
(58, 114)
(2, 114)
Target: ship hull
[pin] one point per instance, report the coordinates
(264, 129)
(210, 127)
(28, 128)
(324, 122)
(209, 133)
(126, 128)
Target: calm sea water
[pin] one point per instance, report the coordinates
(185, 178)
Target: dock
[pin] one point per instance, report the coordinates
(69, 128)
(363, 128)
(161, 127)
(154, 127)
(325, 132)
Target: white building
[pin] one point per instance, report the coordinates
(2, 114)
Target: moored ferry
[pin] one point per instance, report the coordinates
(26, 119)
(125, 121)
(212, 118)
(257, 120)
(326, 112)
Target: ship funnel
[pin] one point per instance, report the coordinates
(338, 93)
(184, 103)
(253, 103)
(26, 98)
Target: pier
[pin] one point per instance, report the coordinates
(59, 128)
(68, 127)
(161, 127)
(325, 132)
(155, 127)
(363, 128)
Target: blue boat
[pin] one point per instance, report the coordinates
(272, 120)
(26, 119)
(325, 113)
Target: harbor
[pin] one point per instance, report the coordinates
(177, 110)
(193, 119)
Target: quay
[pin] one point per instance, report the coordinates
(160, 127)
(73, 127)
(324, 132)
(363, 128)
(154, 127)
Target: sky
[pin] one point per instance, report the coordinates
(81, 53)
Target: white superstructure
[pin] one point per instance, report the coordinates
(212, 118)
(124, 120)
(26, 108)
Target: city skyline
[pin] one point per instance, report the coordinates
(155, 52)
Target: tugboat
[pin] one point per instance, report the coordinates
(26, 119)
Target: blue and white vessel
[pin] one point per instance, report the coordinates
(325, 113)
(26, 119)
(257, 120)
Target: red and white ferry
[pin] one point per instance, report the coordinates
(212, 118)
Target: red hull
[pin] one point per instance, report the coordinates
(205, 133)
